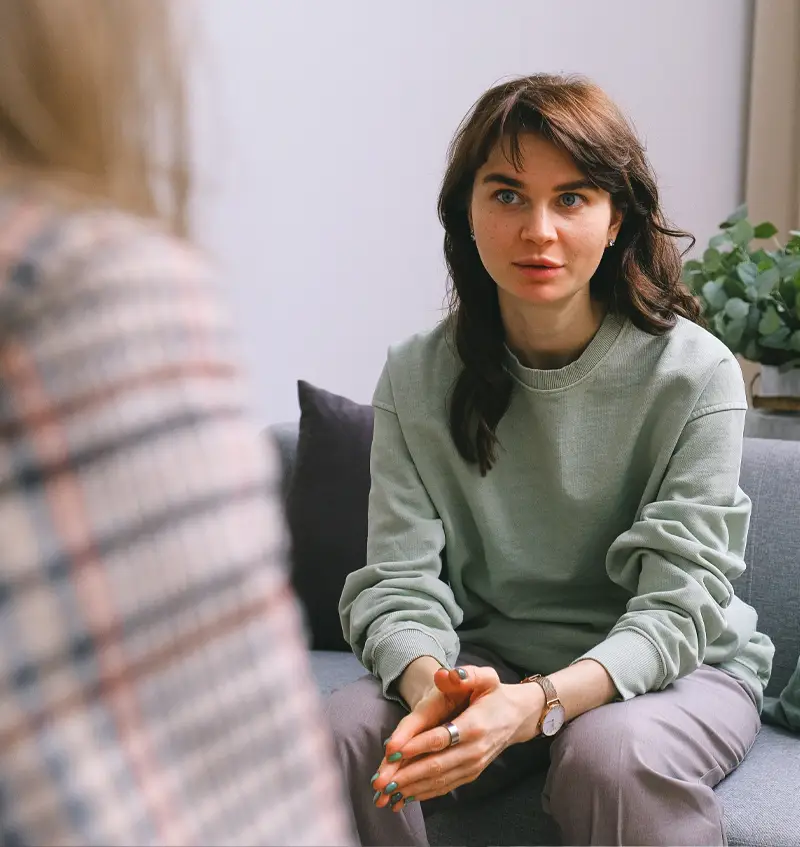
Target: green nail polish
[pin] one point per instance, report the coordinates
(395, 757)
(395, 798)
(461, 673)
(376, 797)
(390, 788)
(408, 800)
(374, 777)
(387, 740)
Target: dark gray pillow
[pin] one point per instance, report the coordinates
(327, 505)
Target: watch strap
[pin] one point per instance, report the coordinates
(550, 693)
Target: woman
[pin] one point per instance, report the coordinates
(568, 441)
(155, 685)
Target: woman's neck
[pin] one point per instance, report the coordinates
(547, 338)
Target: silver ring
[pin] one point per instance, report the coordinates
(455, 735)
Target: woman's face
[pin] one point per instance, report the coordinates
(540, 231)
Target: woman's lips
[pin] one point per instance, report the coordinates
(539, 273)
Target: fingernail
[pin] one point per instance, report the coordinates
(408, 800)
(374, 777)
(395, 757)
(376, 797)
(386, 741)
(462, 673)
(395, 798)
(390, 788)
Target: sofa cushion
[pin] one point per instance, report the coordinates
(333, 669)
(326, 506)
(771, 583)
(760, 796)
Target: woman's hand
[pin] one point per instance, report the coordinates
(495, 716)
(447, 696)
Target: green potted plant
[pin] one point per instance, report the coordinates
(750, 294)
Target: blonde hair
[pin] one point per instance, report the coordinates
(92, 103)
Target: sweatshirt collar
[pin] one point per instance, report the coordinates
(595, 352)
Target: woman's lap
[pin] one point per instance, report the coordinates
(652, 760)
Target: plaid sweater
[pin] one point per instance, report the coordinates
(155, 688)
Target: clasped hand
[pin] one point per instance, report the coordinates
(419, 762)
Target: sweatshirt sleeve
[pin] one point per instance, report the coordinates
(396, 608)
(680, 556)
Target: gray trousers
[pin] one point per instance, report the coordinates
(635, 772)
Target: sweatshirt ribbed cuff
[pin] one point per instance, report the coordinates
(397, 651)
(632, 661)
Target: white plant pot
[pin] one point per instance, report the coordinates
(778, 383)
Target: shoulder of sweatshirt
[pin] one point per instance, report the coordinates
(688, 356)
(420, 371)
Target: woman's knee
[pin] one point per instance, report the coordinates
(360, 717)
(597, 748)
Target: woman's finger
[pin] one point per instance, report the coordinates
(421, 792)
(469, 729)
(432, 741)
(476, 680)
(437, 770)
(455, 688)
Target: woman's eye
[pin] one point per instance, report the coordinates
(571, 201)
(506, 196)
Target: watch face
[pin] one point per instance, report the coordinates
(553, 720)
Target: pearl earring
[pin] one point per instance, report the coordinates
(472, 235)
(610, 242)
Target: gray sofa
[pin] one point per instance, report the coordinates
(761, 799)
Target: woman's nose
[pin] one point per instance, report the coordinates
(539, 226)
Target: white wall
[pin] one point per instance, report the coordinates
(322, 129)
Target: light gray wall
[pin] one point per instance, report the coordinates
(322, 129)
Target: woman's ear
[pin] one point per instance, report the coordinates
(617, 216)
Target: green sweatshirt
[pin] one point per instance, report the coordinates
(612, 525)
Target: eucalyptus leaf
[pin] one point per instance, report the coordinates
(712, 260)
(778, 340)
(747, 272)
(767, 280)
(770, 322)
(721, 239)
(738, 214)
(765, 230)
(715, 295)
(788, 266)
(737, 309)
(733, 334)
(751, 351)
(734, 287)
(741, 232)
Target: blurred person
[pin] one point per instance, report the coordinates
(555, 506)
(155, 687)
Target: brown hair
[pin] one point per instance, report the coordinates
(92, 103)
(640, 277)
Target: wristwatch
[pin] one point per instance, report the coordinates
(553, 715)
